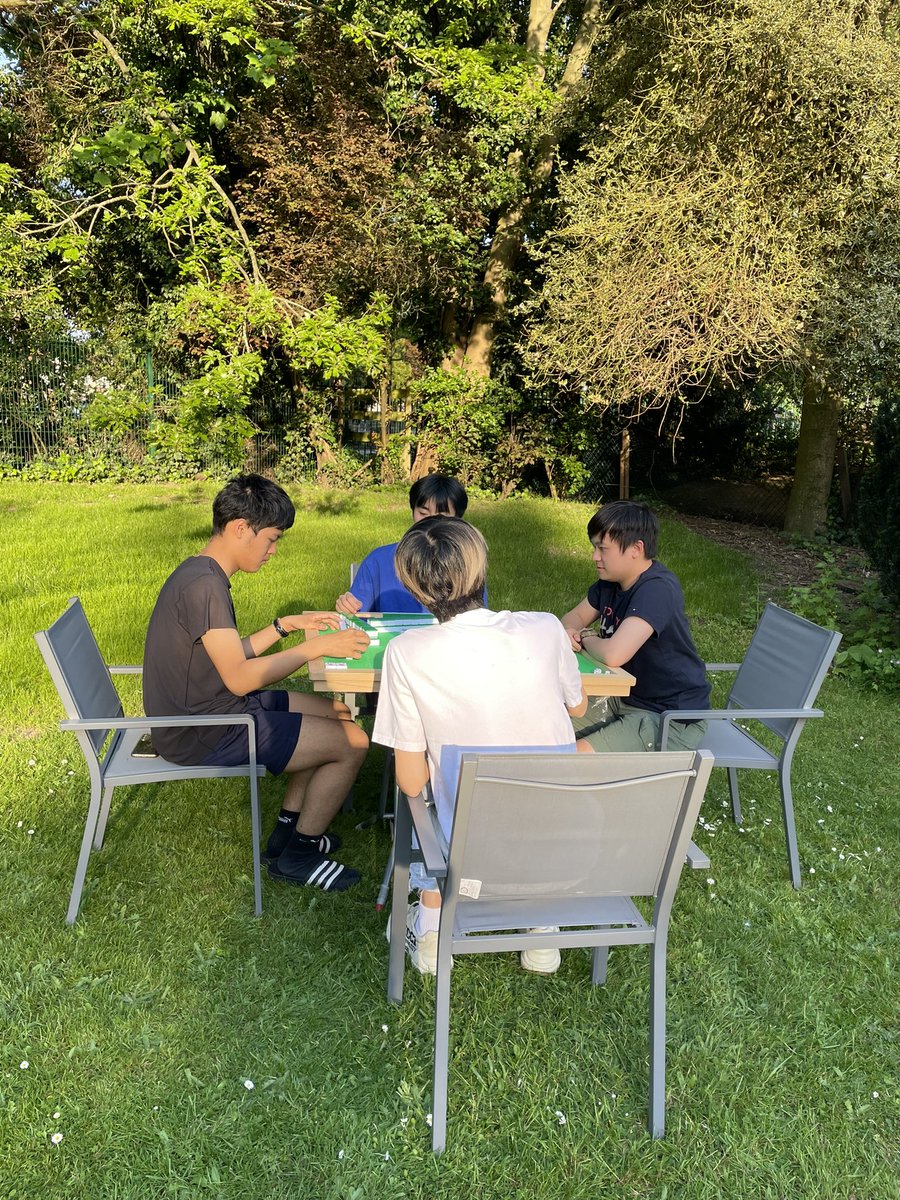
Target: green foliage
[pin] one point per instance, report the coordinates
(740, 206)
(879, 502)
(869, 653)
(486, 432)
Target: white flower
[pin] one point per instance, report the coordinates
(249, 1085)
(387, 1156)
(384, 1029)
(56, 1138)
(64, 761)
(24, 1065)
(404, 1121)
(19, 824)
(340, 1154)
(560, 1117)
(710, 881)
(30, 832)
(428, 1120)
(56, 1116)
(32, 763)
(874, 1095)
(828, 808)
(812, 870)
(748, 925)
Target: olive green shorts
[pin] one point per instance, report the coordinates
(612, 725)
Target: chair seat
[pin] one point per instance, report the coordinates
(734, 747)
(512, 915)
(121, 765)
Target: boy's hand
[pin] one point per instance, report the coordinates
(347, 604)
(310, 622)
(574, 638)
(348, 643)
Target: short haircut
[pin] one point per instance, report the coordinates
(259, 502)
(443, 562)
(626, 522)
(445, 491)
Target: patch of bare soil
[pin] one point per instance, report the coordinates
(781, 565)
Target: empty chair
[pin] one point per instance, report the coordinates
(95, 714)
(552, 840)
(776, 684)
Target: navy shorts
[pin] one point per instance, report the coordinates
(277, 731)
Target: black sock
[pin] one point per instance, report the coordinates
(281, 834)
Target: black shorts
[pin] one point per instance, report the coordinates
(277, 731)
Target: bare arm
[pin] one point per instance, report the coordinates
(622, 646)
(573, 622)
(260, 641)
(411, 770)
(579, 709)
(242, 675)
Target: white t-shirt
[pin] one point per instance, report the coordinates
(483, 679)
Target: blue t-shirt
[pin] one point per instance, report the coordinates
(377, 587)
(668, 669)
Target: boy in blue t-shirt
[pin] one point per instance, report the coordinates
(638, 607)
(375, 587)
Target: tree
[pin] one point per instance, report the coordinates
(740, 208)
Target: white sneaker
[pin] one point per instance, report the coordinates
(542, 962)
(421, 947)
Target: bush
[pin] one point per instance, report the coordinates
(879, 502)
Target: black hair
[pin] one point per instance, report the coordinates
(626, 522)
(442, 561)
(259, 502)
(446, 492)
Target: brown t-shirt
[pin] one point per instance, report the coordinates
(179, 677)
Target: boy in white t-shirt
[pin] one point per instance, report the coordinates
(477, 679)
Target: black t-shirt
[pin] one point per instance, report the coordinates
(668, 669)
(179, 677)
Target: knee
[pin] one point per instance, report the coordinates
(357, 738)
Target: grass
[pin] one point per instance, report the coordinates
(143, 1023)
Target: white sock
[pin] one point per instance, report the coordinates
(427, 919)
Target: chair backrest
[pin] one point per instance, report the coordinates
(785, 665)
(78, 670)
(577, 825)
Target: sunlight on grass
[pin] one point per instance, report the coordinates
(143, 1025)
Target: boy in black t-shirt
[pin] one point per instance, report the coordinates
(196, 663)
(638, 606)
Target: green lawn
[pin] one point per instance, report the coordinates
(144, 1025)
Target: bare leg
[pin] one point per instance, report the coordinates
(325, 762)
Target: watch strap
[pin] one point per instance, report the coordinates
(280, 629)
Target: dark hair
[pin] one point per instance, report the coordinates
(445, 491)
(626, 522)
(259, 502)
(443, 562)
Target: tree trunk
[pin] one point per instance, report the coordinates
(507, 242)
(807, 506)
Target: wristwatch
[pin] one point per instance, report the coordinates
(280, 629)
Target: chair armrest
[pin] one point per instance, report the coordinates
(157, 722)
(730, 714)
(428, 835)
(722, 666)
(125, 670)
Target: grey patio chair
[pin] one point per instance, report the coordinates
(95, 716)
(776, 685)
(552, 840)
